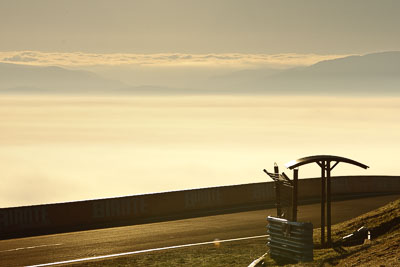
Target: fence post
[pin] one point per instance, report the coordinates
(328, 203)
(295, 194)
(323, 194)
(277, 193)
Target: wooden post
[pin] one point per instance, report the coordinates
(323, 186)
(295, 194)
(328, 203)
(277, 194)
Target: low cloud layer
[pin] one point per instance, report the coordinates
(163, 60)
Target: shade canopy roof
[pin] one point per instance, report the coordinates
(319, 158)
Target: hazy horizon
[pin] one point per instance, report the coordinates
(65, 148)
(230, 74)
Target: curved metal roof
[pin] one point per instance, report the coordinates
(299, 162)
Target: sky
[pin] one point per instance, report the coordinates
(200, 27)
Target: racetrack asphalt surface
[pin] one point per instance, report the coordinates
(76, 245)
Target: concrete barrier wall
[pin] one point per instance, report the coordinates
(350, 185)
(23, 221)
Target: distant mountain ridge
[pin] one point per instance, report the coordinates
(368, 74)
(377, 73)
(376, 63)
(27, 79)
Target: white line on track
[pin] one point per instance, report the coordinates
(40, 246)
(145, 250)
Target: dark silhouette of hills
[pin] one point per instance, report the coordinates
(242, 79)
(377, 63)
(377, 73)
(369, 74)
(15, 78)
